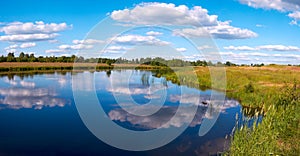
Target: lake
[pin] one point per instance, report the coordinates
(38, 115)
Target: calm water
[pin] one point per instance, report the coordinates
(38, 115)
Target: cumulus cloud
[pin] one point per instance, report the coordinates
(204, 47)
(263, 47)
(115, 49)
(165, 14)
(138, 40)
(280, 5)
(222, 31)
(279, 48)
(28, 37)
(14, 47)
(181, 49)
(27, 45)
(259, 57)
(240, 48)
(28, 32)
(153, 33)
(77, 45)
(87, 41)
(54, 50)
(292, 6)
(39, 27)
(169, 14)
(295, 16)
(11, 48)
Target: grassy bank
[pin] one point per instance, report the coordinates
(275, 90)
(38, 66)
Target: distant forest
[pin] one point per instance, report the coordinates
(157, 61)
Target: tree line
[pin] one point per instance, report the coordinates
(157, 61)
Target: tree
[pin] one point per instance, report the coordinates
(21, 56)
(108, 62)
(32, 58)
(10, 57)
(2, 59)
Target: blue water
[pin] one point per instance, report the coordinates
(38, 115)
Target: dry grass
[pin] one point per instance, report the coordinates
(46, 64)
(59, 64)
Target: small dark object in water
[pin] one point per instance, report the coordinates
(203, 102)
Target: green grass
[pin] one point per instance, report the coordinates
(272, 91)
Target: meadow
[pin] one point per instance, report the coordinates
(272, 91)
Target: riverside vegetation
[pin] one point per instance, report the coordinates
(272, 91)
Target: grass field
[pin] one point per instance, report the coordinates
(273, 90)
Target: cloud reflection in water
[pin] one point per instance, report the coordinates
(25, 94)
(161, 118)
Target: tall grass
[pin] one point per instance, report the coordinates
(273, 91)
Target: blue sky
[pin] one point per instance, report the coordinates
(244, 31)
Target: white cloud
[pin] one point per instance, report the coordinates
(75, 47)
(115, 49)
(279, 48)
(11, 50)
(87, 41)
(54, 51)
(39, 27)
(165, 14)
(28, 32)
(280, 5)
(292, 6)
(27, 45)
(169, 14)
(204, 47)
(295, 15)
(263, 47)
(153, 33)
(221, 31)
(53, 41)
(259, 25)
(139, 40)
(181, 49)
(241, 48)
(28, 37)
(67, 47)
(14, 46)
(259, 57)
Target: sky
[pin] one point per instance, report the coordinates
(239, 31)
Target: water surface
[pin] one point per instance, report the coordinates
(38, 115)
